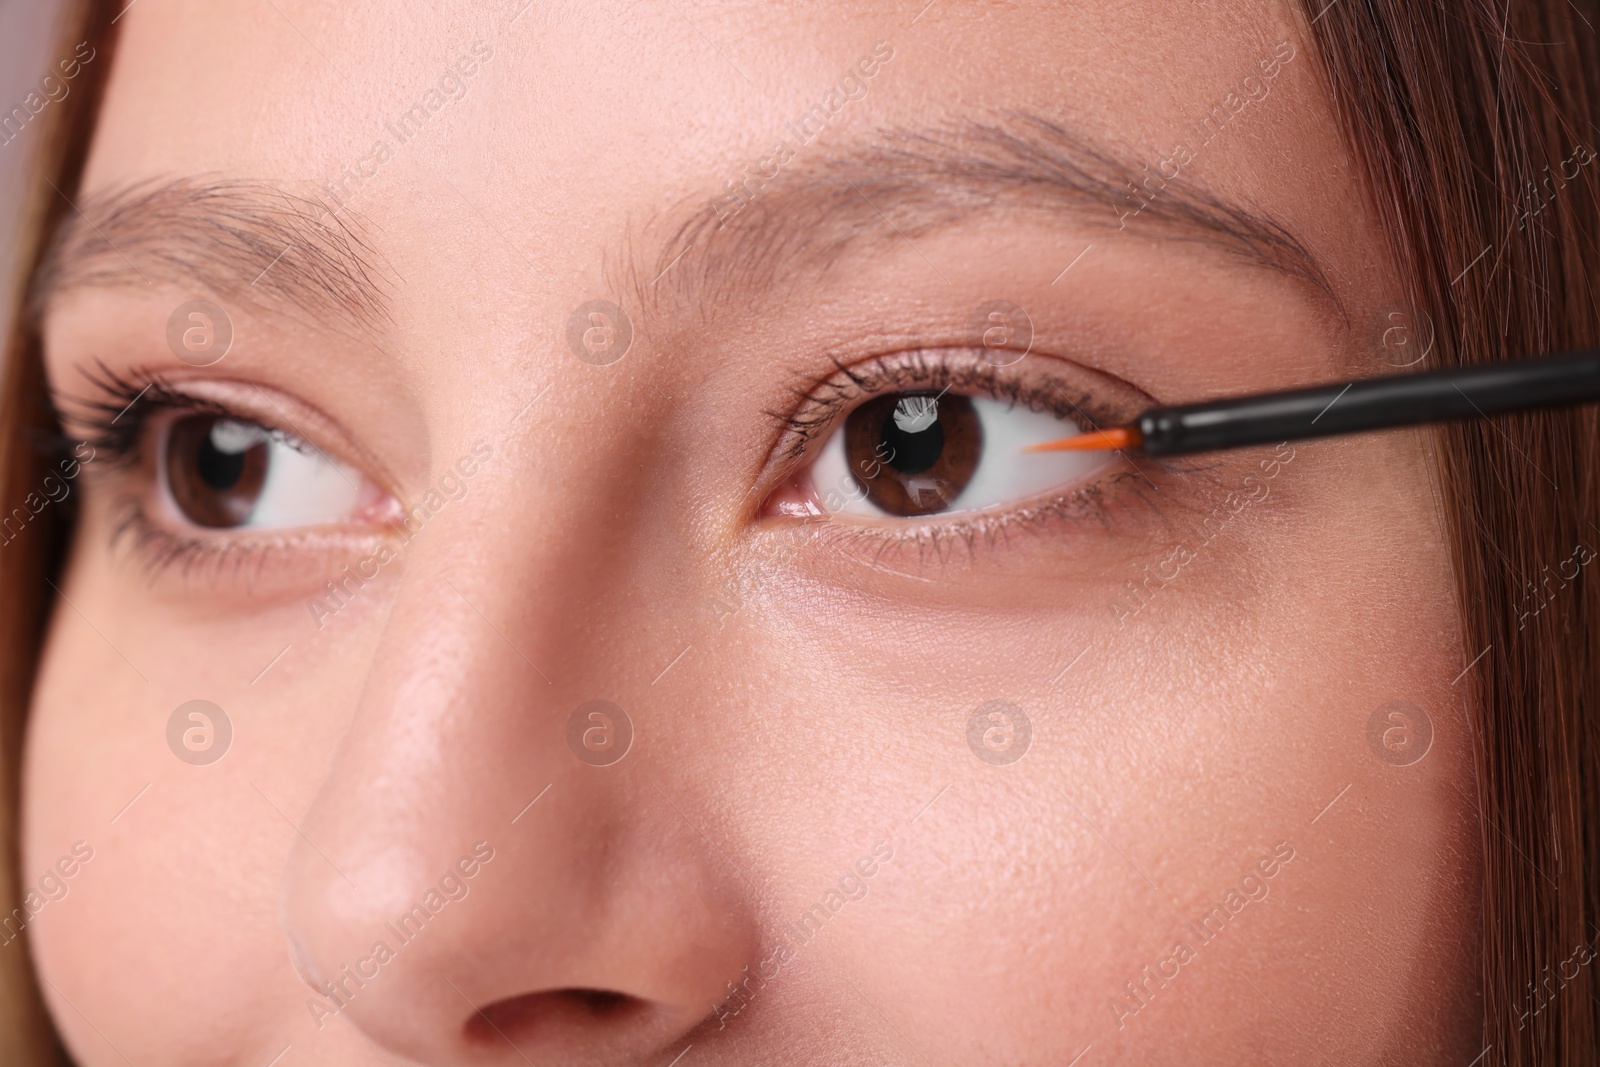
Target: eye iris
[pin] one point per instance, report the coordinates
(216, 468)
(913, 453)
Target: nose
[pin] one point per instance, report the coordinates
(466, 888)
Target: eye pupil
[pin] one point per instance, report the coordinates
(913, 453)
(216, 468)
(913, 438)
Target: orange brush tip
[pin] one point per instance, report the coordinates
(1093, 441)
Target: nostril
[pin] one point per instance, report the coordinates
(601, 1001)
(543, 1015)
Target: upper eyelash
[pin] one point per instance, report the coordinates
(823, 397)
(114, 419)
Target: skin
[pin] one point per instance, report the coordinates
(591, 557)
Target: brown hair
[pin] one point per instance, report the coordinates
(1465, 117)
(1469, 119)
(31, 556)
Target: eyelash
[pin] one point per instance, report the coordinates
(826, 399)
(847, 385)
(115, 422)
(135, 397)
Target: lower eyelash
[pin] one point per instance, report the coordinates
(1122, 495)
(247, 560)
(160, 550)
(1102, 502)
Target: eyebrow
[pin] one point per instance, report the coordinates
(898, 184)
(257, 243)
(250, 241)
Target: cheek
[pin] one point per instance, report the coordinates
(1167, 759)
(188, 859)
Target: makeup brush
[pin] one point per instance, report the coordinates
(1350, 407)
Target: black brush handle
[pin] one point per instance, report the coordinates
(1373, 404)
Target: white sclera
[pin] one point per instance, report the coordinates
(302, 488)
(1005, 474)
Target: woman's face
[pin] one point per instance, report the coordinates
(537, 363)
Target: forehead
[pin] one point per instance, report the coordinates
(571, 130)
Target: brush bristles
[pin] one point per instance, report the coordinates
(1093, 441)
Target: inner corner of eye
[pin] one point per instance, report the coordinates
(928, 452)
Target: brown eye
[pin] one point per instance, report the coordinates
(216, 468)
(923, 452)
(913, 453)
(221, 472)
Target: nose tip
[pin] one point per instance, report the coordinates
(529, 950)
(425, 983)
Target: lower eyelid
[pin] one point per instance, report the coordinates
(1128, 511)
(267, 564)
(1099, 508)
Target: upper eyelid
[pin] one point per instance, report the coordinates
(201, 396)
(119, 404)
